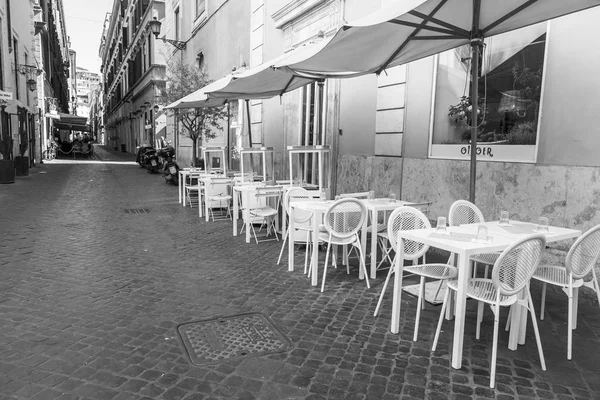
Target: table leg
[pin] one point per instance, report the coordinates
(396, 301)
(461, 307)
(291, 241)
(374, 225)
(315, 249)
(236, 208)
(246, 215)
(180, 186)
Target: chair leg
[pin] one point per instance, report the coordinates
(507, 327)
(570, 323)
(537, 332)
(441, 319)
(496, 310)
(307, 253)
(283, 247)
(325, 267)
(387, 280)
(419, 303)
(543, 305)
(361, 262)
(479, 319)
(438, 290)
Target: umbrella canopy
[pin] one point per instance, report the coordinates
(199, 98)
(409, 30)
(264, 81)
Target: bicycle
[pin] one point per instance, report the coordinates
(50, 152)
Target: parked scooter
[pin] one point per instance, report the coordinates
(170, 167)
(144, 151)
(152, 161)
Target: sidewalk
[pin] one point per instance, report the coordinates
(107, 153)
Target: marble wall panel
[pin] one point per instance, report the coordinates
(361, 174)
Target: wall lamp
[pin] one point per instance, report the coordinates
(155, 25)
(28, 69)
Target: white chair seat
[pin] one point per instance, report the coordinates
(263, 212)
(484, 290)
(435, 271)
(553, 274)
(485, 258)
(333, 239)
(220, 197)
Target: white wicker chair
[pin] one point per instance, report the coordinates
(409, 218)
(464, 212)
(342, 222)
(579, 265)
(508, 286)
(302, 221)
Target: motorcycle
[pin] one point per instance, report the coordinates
(152, 162)
(143, 153)
(170, 167)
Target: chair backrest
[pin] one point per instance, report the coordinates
(217, 186)
(269, 196)
(356, 195)
(408, 218)
(517, 263)
(345, 217)
(423, 206)
(297, 193)
(584, 253)
(464, 212)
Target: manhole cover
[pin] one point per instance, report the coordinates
(137, 210)
(230, 338)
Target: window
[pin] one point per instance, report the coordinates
(16, 62)
(177, 24)
(1, 58)
(510, 90)
(200, 60)
(200, 7)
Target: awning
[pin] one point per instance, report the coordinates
(265, 81)
(72, 119)
(199, 99)
(72, 127)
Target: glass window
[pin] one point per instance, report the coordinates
(200, 7)
(510, 89)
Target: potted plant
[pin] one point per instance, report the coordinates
(22, 161)
(7, 165)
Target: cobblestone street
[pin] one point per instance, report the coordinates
(91, 297)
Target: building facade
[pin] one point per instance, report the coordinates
(87, 82)
(133, 71)
(396, 133)
(33, 50)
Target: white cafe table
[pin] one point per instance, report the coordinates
(516, 230)
(374, 207)
(318, 208)
(456, 242)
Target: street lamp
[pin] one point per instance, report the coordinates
(154, 25)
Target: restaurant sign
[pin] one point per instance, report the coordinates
(491, 152)
(7, 96)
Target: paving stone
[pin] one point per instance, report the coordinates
(91, 298)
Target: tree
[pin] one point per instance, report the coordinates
(199, 124)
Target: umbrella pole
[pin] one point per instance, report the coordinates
(476, 49)
(249, 123)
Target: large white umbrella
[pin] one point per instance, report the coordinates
(265, 81)
(200, 99)
(408, 30)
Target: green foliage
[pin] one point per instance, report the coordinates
(198, 124)
(523, 133)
